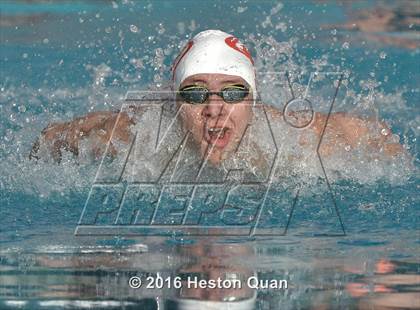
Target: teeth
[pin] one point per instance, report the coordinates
(219, 131)
(215, 129)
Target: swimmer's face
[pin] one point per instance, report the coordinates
(216, 126)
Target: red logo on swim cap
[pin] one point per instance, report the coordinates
(236, 45)
(181, 55)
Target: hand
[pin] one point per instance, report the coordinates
(97, 127)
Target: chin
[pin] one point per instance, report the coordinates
(216, 155)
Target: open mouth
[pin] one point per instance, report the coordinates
(218, 136)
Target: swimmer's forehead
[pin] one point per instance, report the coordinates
(214, 79)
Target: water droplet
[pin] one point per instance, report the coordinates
(45, 41)
(334, 31)
(161, 29)
(134, 29)
(22, 108)
(382, 55)
(24, 55)
(346, 45)
(384, 132)
(108, 29)
(241, 9)
(347, 148)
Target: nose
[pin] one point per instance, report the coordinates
(215, 107)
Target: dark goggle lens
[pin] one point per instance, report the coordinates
(234, 93)
(194, 94)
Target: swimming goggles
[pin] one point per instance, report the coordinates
(196, 94)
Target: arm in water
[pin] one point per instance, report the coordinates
(347, 130)
(97, 127)
(350, 130)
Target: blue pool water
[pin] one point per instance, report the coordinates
(63, 59)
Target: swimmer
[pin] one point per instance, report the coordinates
(214, 79)
(383, 21)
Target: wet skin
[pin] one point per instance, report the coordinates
(216, 127)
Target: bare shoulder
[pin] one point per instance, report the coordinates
(277, 113)
(356, 131)
(346, 129)
(272, 111)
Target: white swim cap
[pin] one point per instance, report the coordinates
(214, 51)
